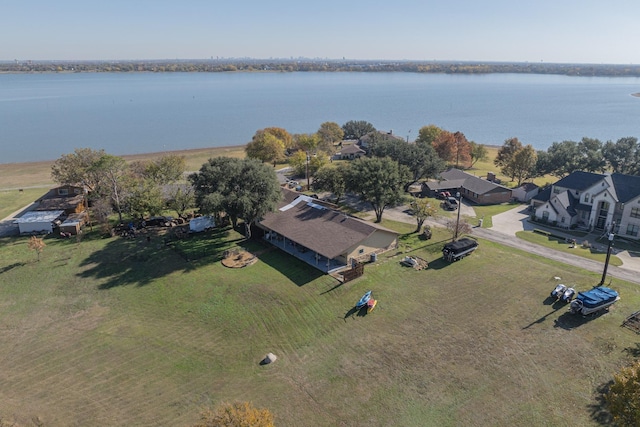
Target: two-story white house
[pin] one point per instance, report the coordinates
(599, 202)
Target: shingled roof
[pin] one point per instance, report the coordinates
(627, 186)
(579, 180)
(471, 182)
(317, 227)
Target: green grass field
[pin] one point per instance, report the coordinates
(598, 254)
(111, 331)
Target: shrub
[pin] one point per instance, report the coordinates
(239, 414)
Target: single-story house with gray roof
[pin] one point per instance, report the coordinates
(471, 187)
(322, 236)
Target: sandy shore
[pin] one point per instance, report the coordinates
(27, 174)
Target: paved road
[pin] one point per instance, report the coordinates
(503, 231)
(575, 260)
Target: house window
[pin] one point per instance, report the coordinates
(63, 191)
(556, 190)
(545, 216)
(586, 198)
(635, 213)
(632, 230)
(562, 220)
(361, 251)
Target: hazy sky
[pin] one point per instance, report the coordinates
(585, 31)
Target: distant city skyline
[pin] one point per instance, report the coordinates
(569, 31)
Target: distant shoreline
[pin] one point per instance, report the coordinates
(637, 94)
(316, 65)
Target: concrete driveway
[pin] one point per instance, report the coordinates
(512, 221)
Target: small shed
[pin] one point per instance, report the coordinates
(201, 223)
(38, 221)
(525, 192)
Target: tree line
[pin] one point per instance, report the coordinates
(307, 65)
(521, 163)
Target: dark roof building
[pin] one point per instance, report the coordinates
(322, 236)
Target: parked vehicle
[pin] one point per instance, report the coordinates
(598, 298)
(459, 249)
(558, 291)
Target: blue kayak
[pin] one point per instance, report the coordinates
(364, 300)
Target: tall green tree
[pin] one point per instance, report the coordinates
(623, 156)
(181, 198)
(428, 134)
(330, 133)
(592, 160)
(565, 158)
(377, 181)
(245, 189)
(307, 142)
(266, 147)
(144, 197)
(422, 209)
(356, 129)
(478, 153)
(421, 160)
(523, 164)
(163, 170)
(505, 155)
(307, 164)
(332, 179)
(78, 168)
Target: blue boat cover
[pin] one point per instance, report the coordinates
(597, 296)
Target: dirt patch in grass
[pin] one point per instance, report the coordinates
(238, 258)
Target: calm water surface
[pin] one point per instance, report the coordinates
(43, 116)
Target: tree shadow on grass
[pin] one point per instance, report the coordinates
(299, 272)
(598, 409)
(139, 261)
(12, 266)
(633, 351)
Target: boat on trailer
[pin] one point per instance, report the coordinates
(598, 298)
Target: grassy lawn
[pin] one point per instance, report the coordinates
(487, 212)
(12, 200)
(560, 245)
(111, 331)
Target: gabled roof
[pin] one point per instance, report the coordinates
(579, 180)
(352, 149)
(471, 182)
(567, 201)
(528, 186)
(54, 203)
(544, 195)
(627, 186)
(323, 230)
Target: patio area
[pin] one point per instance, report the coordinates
(312, 258)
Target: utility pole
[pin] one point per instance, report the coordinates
(459, 197)
(308, 186)
(606, 262)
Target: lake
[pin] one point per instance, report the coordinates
(43, 116)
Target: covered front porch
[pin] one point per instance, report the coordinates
(303, 253)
